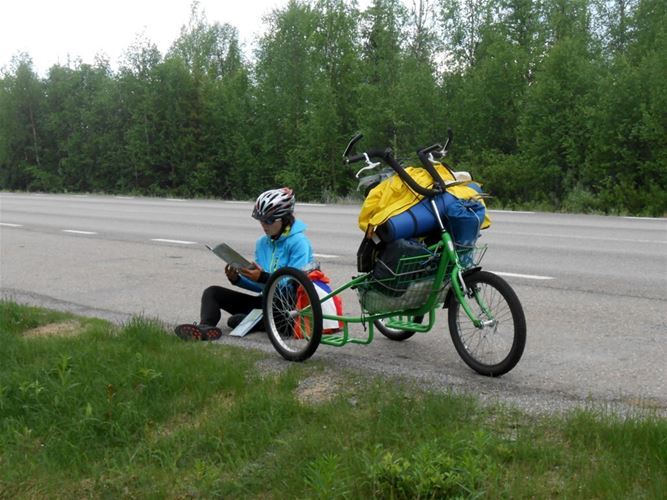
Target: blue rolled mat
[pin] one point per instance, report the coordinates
(462, 218)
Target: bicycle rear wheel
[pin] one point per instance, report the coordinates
(494, 348)
(292, 314)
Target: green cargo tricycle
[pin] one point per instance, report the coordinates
(486, 319)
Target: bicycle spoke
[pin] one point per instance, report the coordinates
(496, 346)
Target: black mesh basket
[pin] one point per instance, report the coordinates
(406, 287)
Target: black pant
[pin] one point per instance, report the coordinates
(216, 298)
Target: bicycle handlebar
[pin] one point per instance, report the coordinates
(371, 153)
(428, 165)
(387, 156)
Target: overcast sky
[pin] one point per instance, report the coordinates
(51, 30)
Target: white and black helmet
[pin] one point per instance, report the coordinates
(274, 204)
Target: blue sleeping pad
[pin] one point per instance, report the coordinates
(462, 218)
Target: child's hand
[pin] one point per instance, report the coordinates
(232, 274)
(252, 273)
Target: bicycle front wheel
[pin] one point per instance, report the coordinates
(496, 346)
(292, 314)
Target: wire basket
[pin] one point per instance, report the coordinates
(470, 255)
(407, 287)
(413, 281)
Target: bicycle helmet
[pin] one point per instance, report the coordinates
(274, 204)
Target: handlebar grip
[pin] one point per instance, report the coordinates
(372, 153)
(353, 159)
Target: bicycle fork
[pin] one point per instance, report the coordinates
(463, 293)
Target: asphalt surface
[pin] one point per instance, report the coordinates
(594, 288)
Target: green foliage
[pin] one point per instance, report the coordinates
(555, 125)
(566, 98)
(22, 102)
(130, 411)
(618, 442)
(15, 319)
(96, 391)
(512, 180)
(431, 472)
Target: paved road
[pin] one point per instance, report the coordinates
(594, 288)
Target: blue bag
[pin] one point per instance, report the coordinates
(462, 218)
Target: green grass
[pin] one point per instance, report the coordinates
(94, 410)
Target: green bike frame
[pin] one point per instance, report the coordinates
(448, 279)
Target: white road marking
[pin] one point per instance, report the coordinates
(10, 225)
(176, 199)
(510, 212)
(526, 276)
(180, 242)
(76, 231)
(586, 238)
(325, 256)
(645, 218)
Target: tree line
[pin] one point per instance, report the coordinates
(554, 104)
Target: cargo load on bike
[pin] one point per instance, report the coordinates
(395, 211)
(398, 222)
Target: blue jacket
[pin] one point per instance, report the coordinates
(292, 249)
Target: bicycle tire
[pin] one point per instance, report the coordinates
(493, 349)
(295, 335)
(395, 333)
